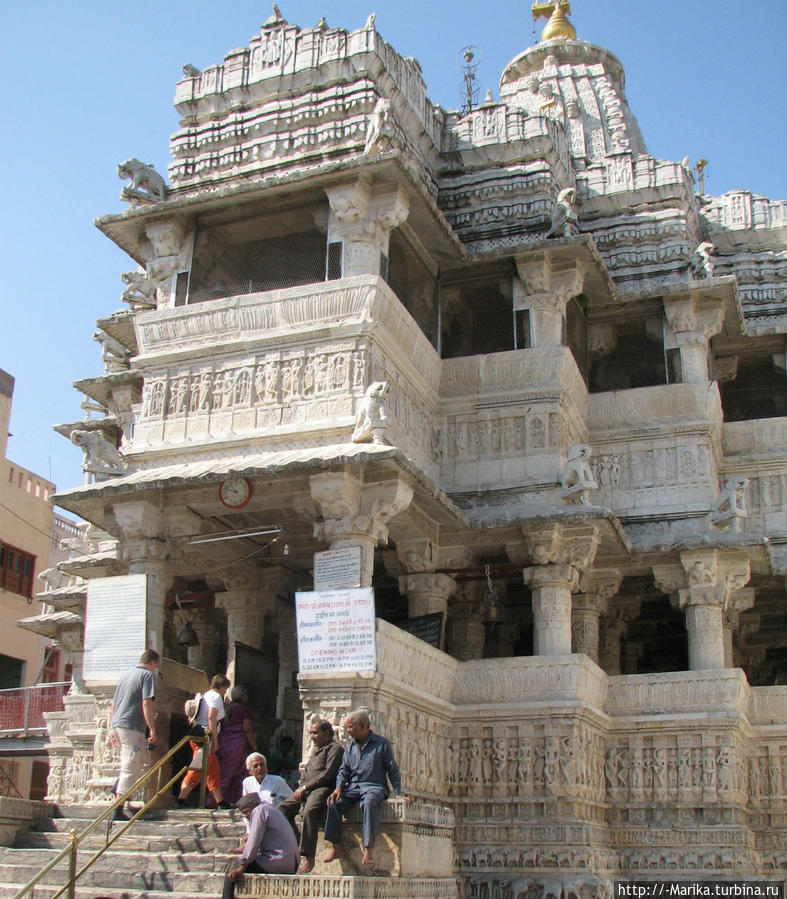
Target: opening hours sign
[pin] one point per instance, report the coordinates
(336, 630)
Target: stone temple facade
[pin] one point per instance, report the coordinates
(535, 375)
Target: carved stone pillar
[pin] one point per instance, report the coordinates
(357, 514)
(737, 603)
(551, 586)
(544, 287)
(427, 593)
(588, 607)
(702, 585)
(560, 554)
(466, 633)
(613, 630)
(363, 217)
(692, 319)
(145, 553)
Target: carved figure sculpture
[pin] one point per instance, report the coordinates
(146, 183)
(702, 263)
(191, 71)
(380, 133)
(140, 292)
(101, 458)
(729, 510)
(564, 215)
(113, 354)
(371, 420)
(577, 479)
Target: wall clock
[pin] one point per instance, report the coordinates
(235, 492)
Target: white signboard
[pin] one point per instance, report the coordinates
(337, 569)
(114, 626)
(336, 630)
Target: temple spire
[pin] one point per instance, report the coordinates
(558, 25)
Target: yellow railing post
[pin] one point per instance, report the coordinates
(72, 865)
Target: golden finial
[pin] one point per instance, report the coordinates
(699, 168)
(558, 25)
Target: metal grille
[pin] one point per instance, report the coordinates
(269, 263)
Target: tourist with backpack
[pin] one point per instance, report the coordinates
(208, 718)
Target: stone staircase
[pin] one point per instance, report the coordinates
(186, 853)
(182, 852)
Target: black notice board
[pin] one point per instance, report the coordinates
(426, 627)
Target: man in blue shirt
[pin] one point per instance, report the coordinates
(363, 777)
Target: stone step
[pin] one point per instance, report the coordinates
(9, 890)
(98, 880)
(120, 862)
(311, 886)
(132, 841)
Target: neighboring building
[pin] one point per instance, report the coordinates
(26, 659)
(534, 375)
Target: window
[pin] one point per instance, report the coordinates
(16, 570)
(759, 390)
(12, 672)
(476, 316)
(634, 357)
(413, 283)
(267, 252)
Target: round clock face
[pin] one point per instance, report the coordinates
(235, 493)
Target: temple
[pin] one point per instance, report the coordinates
(535, 376)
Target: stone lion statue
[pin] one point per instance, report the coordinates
(380, 133)
(729, 510)
(577, 479)
(140, 291)
(371, 420)
(101, 458)
(144, 178)
(702, 263)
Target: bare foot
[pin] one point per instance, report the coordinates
(367, 859)
(336, 852)
(306, 865)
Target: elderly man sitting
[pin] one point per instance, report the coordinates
(270, 847)
(270, 787)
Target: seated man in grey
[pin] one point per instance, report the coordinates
(317, 782)
(366, 768)
(270, 846)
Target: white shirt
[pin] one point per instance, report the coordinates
(210, 700)
(273, 789)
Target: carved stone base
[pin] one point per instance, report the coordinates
(321, 887)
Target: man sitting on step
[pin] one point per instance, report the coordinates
(270, 847)
(366, 768)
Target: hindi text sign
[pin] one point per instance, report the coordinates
(337, 569)
(336, 630)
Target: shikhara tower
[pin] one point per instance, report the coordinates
(564, 371)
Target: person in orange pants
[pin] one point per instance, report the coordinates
(209, 716)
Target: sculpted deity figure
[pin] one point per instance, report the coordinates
(577, 479)
(371, 420)
(101, 458)
(564, 215)
(146, 183)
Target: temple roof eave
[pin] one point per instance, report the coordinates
(127, 229)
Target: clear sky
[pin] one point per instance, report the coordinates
(86, 84)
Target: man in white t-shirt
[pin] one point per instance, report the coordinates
(271, 787)
(209, 717)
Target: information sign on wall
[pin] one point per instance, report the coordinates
(114, 626)
(337, 569)
(336, 630)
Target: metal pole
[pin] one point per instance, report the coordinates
(72, 866)
(206, 748)
(27, 709)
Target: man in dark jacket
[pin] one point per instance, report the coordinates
(366, 768)
(316, 783)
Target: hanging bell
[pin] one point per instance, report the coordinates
(188, 636)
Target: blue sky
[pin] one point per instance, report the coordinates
(89, 83)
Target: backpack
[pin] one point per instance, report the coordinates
(191, 707)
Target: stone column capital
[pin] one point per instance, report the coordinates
(553, 575)
(427, 582)
(601, 582)
(138, 519)
(546, 281)
(145, 551)
(555, 543)
(692, 318)
(365, 215)
(589, 603)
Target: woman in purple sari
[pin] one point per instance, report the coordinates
(236, 741)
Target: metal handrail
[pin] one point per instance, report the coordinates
(107, 815)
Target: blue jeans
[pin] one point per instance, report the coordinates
(370, 796)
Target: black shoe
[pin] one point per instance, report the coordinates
(224, 805)
(181, 803)
(119, 815)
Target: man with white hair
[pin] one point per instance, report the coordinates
(270, 847)
(270, 787)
